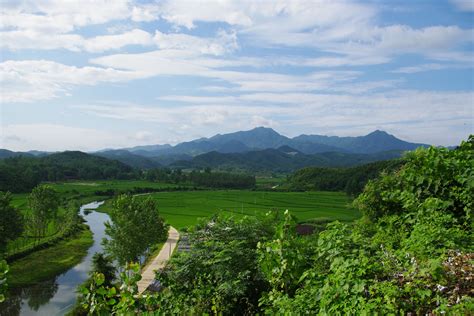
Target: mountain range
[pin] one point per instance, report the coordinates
(259, 149)
(263, 138)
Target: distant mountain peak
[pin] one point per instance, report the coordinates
(264, 129)
(379, 132)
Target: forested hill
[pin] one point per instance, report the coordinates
(131, 159)
(351, 180)
(21, 174)
(5, 153)
(284, 159)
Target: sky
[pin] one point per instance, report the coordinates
(93, 74)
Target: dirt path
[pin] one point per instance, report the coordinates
(148, 275)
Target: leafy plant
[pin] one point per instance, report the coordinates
(3, 280)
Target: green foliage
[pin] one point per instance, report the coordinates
(283, 259)
(102, 299)
(136, 225)
(103, 264)
(11, 221)
(202, 179)
(411, 254)
(21, 174)
(3, 280)
(43, 202)
(438, 173)
(350, 180)
(220, 273)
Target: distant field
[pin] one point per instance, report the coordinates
(90, 187)
(87, 191)
(182, 209)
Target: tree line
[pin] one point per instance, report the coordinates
(202, 178)
(350, 180)
(22, 174)
(43, 218)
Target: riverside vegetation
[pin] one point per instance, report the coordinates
(411, 252)
(27, 235)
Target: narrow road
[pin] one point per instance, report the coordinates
(148, 276)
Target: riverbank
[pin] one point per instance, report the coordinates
(47, 263)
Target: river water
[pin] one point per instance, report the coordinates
(58, 295)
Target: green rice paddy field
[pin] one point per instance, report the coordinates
(182, 209)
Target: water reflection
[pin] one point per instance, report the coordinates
(12, 305)
(40, 294)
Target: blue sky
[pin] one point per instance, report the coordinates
(99, 74)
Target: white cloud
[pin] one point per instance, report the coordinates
(31, 39)
(145, 13)
(54, 137)
(58, 16)
(30, 80)
(143, 135)
(463, 5)
(421, 68)
(330, 62)
(186, 13)
(189, 63)
(116, 41)
(344, 27)
(27, 39)
(223, 43)
(217, 115)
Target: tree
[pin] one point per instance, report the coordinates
(71, 216)
(44, 203)
(103, 264)
(136, 225)
(3, 280)
(11, 221)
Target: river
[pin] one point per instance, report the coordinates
(58, 295)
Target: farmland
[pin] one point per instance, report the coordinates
(182, 209)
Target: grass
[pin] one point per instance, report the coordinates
(46, 263)
(182, 209)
